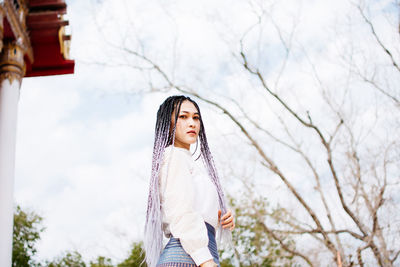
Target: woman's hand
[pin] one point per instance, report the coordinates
(227, 221)
(209, 263)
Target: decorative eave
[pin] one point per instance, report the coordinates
(50, 44)
(14, 26)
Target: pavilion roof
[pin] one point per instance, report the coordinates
(48, 45)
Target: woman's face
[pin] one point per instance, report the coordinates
(188, 125)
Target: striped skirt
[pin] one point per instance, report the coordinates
(174, 255)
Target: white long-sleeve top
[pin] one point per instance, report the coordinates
(188, 199)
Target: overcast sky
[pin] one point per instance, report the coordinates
(84, 140)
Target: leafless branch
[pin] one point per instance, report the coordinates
(395, 257)
(377, 87)
(316, 231)
(317, 130)
(284, 246)
(372, 28)
(359, 256)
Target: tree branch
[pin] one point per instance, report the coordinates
(372, 28)
(283, 245)
(321, 136)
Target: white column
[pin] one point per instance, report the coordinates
(11, 65)
(9, 94)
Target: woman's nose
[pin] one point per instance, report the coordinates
(191, 122)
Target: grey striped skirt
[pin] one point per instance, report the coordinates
(174, 255)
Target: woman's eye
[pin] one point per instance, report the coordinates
(182, 116)
(196, 118)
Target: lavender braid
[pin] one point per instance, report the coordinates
(208, 161)
(164, 136)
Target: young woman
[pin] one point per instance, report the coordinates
(185, 198)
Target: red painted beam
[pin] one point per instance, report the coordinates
(47, 4)
(43, 16)
(44, 37)
(66, 68)
(39, 25)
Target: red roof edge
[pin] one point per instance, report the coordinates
(68, 67)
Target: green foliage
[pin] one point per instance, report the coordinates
(252, 244)
(69, 259)
(101, 262)
(74, 259)
(136, 257)
(26, 232)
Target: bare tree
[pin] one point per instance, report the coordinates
(330, 138)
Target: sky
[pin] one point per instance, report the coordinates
(84, 141)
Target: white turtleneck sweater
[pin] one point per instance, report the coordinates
(188, 199)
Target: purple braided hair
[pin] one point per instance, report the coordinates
(164, 136)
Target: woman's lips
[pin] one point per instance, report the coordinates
(191, 132)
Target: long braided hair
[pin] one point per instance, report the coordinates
(165, 136)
